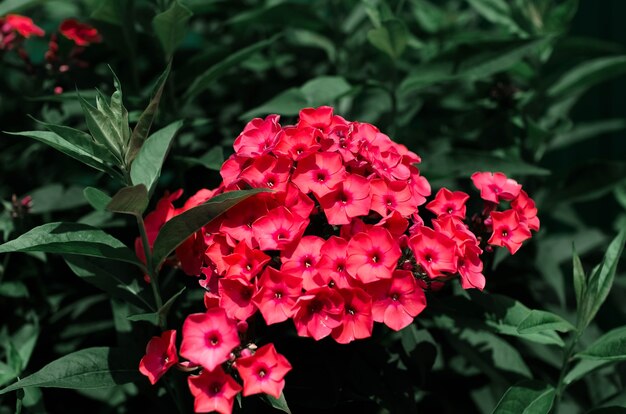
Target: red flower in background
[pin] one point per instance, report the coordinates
(80, 33)
(23, 25)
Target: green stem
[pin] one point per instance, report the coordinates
(152, 272)
(567, 356)
(5, 263)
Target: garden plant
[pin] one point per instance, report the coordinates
(376, 206)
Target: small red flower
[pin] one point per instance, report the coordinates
(278, 229)
(508, 231)
(318, 312)
(372, 255)
(450, 203)
(23, 25)
(80, 33)
(277, 294)
(495, 187)
(397, 301)
(213, 391)
(160, 356)
(434, 251)
(236, 298)
(208, 338)
(357, 318)
(263, 372)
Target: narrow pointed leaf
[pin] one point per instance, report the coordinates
(71, 238)
(279, 403)
(584, 367)
(391, 37)
(130, 200)
(84, 369)
(214, 72)
(170, 26)
(102, 129)
(539, 321)
(580, 284)
(142, 128)
(609, 347)
(118, 280)
(161, 314)
(98, 199)
(146, 168)
(587, 74)
(526, 397)
(181, 227)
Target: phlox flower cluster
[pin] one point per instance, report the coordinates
(338, 244)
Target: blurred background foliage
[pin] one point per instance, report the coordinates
(532, 88)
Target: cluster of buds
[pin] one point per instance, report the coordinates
(337, 245)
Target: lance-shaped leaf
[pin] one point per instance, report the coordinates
(98, 199)
(526, 397)
(71, 238)
(539, 321)
(156, 317)
(279, 403)
(116, 279)
(584, 367)
(210, 75)
(170, 26)
(142, 128)
(103, 129)
(181, 227)
(60, 144)
(587, 74)
(84, 369)
(601, 280)
(146, 168)
(130, 200)
(580, 282)
(609, 347)
(391, 37)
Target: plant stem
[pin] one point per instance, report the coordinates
(152, 272)
(567, 355)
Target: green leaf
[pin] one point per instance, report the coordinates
(540, 321)
(324, 90)
(98, 199)
(479, 62)
(588, 181)
(130, 200)
(71, 238)
(214, 72)
(279, 403)
(307, 38)
(146, 167)
(584, 131)
(391, 37)
(170, 26)
(496, 11)
(288, 103)
(526, 397)
(13, 289)
(580, 282)
(116, 279)
(601, 280)
(54, 197)
(609, 347)
(587, 74)
(24, 341)
(87, 368)
(156, 317)
(16, 6)
(181, 227)
(142, 128)
(60, 144)
(102, 128)
(584, 367)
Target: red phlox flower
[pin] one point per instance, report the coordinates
(302, 261)
(470, 267)
(219, 248)
(208, 338)
(23, 25)
(232, 168)
(332, 264)
(236, 298)
(258, 137)
(450, 203)
(355, 226)
(153, 222)
(296, 201)
(357, 317)
(372, 255)
(160, 356)
(263, 372)
(213, 390)
(191, 254)
(239, 221)
(320, 118)
(395, 224)
(245, 262)
(495, 187)
(297, 143)
(370, 138)
(434, 251)
(397, 301)
(267, 171)
(277, 295)
(341, 142)
(526, 210)
(418, 185)
(318, 312)
(350, 198)
(200, 197)
(80, 33)
(278, 229)
(455, 229)
(508, 230)
(388, 165)
(319, 173)
(392, 196)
